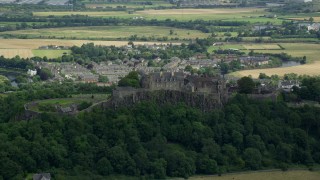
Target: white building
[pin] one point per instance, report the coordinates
(32, 72)
(314, 27)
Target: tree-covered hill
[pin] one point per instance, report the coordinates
(157, 141)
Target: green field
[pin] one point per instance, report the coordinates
(50, 53)
(276, 175)
(109, 32)
(226, 14)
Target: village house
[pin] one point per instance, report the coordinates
(314, 27)
(287, 85)
(42, 176)
(254, 60)
(32, 72)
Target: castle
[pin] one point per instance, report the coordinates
(203, 92)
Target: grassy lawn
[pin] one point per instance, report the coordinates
(50, 53)
(112, 32)
(311, 51)
(65, 102)
(277, 175)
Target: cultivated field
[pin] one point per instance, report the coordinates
(10, 53)
(315, 19)
(261, 46)
(278, 175)
(36, 43)
(226, 14)
(109, 32)
(311, 51)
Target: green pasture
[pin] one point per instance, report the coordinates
(50, 53)
(109, 32)
(225, 14)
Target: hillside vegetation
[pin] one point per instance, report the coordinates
(159, 141)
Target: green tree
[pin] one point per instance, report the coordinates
(132, 79)
(104, 167)
(252, 158)
(246, 85)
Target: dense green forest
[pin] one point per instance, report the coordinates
(158, 141)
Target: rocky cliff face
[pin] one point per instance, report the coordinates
(201, 101)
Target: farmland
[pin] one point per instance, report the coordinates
(246, 47)
(109, 32)
(311, 51)
(226, 14)
(10, 53)
(36, 43)
(277, 175)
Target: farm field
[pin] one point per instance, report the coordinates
(315, 19)
(10, 53)
(246, 47)
(277, 175)
(111, 32)
(226, 14)
(311, 51)
(50, 53)
(36, 43)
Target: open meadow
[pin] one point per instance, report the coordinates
(36, 43)
(311, 51)
(226, 14)
(109, 32)
(276, 175)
